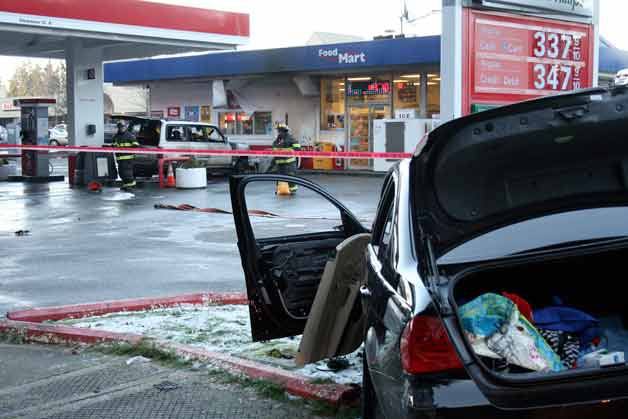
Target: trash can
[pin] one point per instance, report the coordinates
(89, 167)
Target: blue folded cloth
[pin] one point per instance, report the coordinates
(570, 320)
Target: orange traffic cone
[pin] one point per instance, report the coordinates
(170, 182)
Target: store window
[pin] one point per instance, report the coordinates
(407, 93)
(263, 123)
(433, 94)
(241, 123)
(362, 90)
(246, 122)
(332, 104)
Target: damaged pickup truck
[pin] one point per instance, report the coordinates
(490, 284)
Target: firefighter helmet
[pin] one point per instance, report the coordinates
(122, 125)
(280, 126)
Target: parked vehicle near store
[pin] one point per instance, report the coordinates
(58, 135)
(529, 199)
(185, 135)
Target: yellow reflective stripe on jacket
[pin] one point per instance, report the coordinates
(286, 160)
(126, 144)
(125, 157)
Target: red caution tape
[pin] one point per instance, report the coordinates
(251, 212)
(195, 152)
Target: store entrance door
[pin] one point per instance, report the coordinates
(361, 119)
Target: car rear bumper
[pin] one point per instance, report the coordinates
(611, 410)
(458, 399)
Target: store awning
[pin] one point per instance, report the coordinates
(345, 57)
(123, 28)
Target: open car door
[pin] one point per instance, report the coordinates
(283, 270)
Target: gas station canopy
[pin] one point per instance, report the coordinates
(87, 33)
(121, 28)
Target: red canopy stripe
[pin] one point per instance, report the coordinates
(135, 13)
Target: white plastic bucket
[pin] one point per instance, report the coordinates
(191, 178)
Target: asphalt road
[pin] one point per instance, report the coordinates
(86, 247)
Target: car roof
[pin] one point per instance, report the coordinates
(170, 121)
(165, 121)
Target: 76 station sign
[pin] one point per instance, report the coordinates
(509, 58)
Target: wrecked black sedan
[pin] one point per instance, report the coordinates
(486, 285)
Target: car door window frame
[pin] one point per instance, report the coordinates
(214, 131)
(170, 129)
(386, 255)
(384, 215)
(221, 138)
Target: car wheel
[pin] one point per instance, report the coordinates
(369, 405)
(54, 143)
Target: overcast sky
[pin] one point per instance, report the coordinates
(280, 23)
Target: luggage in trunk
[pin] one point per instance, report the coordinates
(523, 318)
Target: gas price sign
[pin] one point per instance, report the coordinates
(512, 58)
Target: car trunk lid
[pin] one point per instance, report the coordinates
(498, 167)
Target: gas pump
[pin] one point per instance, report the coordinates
(34, 131)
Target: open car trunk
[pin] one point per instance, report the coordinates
(554, 326)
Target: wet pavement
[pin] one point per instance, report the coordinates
(86, 247)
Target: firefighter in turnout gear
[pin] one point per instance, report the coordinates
(286, 142)
(125, 139)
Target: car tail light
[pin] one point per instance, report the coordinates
(426, 348)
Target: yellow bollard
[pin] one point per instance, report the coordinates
(283, 188)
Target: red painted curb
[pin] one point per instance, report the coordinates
(38, 315)
(27, 324)
(293, 383)
(56, 333)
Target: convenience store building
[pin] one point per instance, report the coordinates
(326, 93)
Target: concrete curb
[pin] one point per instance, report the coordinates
(27, 325)
(39, 315)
